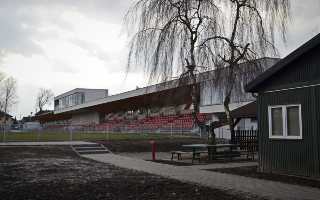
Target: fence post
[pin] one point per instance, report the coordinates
(4, 134)
(108, 134)
(38, 135)
(70, 132)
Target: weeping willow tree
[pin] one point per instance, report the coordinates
(186, 37)
(249, 33)
(167, 35)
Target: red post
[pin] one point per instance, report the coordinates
(153, 144)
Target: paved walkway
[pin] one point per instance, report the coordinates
(263, 188)
(146, 155)
(223, 165)
(167, 156)
(43, 143)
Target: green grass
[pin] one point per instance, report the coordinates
(64, 136)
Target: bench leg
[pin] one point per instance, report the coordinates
(172, 156)
(193, 156)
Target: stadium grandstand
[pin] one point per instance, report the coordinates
(164, 107)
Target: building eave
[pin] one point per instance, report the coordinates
(256, 83)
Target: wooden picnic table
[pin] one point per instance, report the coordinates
(211, 150)
(195, 149)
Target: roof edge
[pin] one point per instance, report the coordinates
(307, 46)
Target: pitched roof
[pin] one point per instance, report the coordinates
(253, 85)
(2, 113)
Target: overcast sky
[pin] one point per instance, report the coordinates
(67, 44)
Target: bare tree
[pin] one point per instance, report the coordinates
(190, 36)
(8, 96)
(44, 98)
(167, 38)
(249, 34)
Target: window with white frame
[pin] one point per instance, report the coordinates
(285, 122)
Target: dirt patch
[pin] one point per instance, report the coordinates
(252, 172)
(162, 145)
(57, 173)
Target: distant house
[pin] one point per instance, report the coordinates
(288, 100)
(6, 119)
(43, 112)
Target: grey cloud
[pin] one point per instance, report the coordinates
(110, 10)
(91, 48)
(16, 31)
(20, 20)
(304, 24)
(61, 66)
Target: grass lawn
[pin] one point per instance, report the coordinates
(93, 136)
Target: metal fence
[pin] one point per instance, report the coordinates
(74, 132)
(247, 139)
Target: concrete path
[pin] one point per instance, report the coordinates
(44, 143)
(146, 155)
(167, 156)
(222, 165)
(262, 188)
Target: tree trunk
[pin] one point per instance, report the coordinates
(229, 117)
(194, 98)
(5, 119)
(213, 135)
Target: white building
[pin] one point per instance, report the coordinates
(76, 97)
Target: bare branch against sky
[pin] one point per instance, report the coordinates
(44, 98)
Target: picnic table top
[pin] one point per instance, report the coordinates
(209, 145)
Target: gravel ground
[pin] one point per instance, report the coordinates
(57, 173)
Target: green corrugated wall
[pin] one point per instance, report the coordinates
(299, 157)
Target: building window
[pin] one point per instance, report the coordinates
(285, 122)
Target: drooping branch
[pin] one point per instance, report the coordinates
(170, 46)
(249, 36)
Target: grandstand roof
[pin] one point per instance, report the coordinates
(165, 97)
(145, 92)
(142, 93)
(164, 94)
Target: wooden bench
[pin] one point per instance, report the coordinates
(197, 155)
(179, 153)
(226, 154)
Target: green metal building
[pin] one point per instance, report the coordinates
(288, 100)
